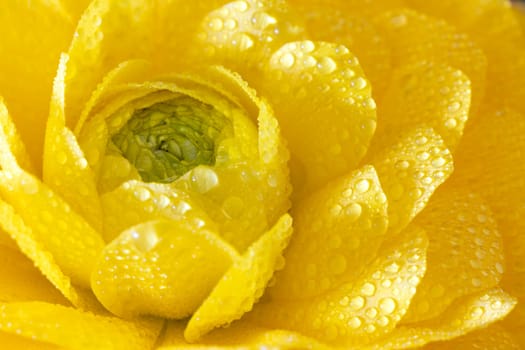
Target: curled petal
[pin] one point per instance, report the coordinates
(365, 309)
(338, 231)
(410, 171)
(244, 282)
(163, 268)
(464, 315)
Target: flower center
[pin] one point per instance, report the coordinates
(167, 139)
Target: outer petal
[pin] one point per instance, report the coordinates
(465, 253)
(337, 234)
(239, 336)
(466, 314)
(244, 283)
(491, 338)
(66, 169)
(358, 312)
(424, 93)
(33, 35)
(75, 329)
(410, 171)
(331, 117)
(164, 268)
(415, 38)
(491, 161)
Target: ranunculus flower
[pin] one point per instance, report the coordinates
(148, 152)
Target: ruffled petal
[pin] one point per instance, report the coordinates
(364, 309)
(244, 283)
(338, 231)
(70, 328)
(164, 268)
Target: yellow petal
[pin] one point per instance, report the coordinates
(239, 336)
(33, 35)
(13, 145)
(31, 245)
(21, 281)
(465, 252)
(493, 337)
(464, 315)
(61, 231)
(13, 341)
(243, 34)
(66, 169)
(360, 311)
(338, 231)
(328, 84)
(349, 28)
(424, 93)
(359, 8)
(410, 171)
(70, 328)
(515, 322)
(491, 162)
(244, 283)
(415, 38)
(164, 268)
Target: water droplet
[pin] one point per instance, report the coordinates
(414, 280)
(287, 60)
(230, 24)
(387, 305)
(307, 46)
(371, 312)
(383, 321)
(476, 282)
(29, 186)
(353, 212)
(145, 240)
(142, 194)
(454, 107)
(477, 312)
(368, 289)
(357, 303)
(216, 24)
(240, 6)
(451, 123)
(344, 301)
(392, 268)
(203, 179)
(423, 156)
(499, 267)
(439, 162)
(398, 21)
(358, 83)
(354, 322)
(422, 140)
(326, 65)
(362, 186)
(162, 201)
(262, 20)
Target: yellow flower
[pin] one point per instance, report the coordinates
(145, 197)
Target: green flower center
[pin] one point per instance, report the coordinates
(167, 139)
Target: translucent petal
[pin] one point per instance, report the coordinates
(244, 282)
(493, 337)
(464, 315)
(410, 171)
(164, 268)
(66, 169)
(21, 281)
(338, 231)
(364, 309)
(465, 252)
(239, 336)
(424, 93)
(33, 35)
(328, 85)
(70, 328)
(415, 38)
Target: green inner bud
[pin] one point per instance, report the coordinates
(167, 139)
